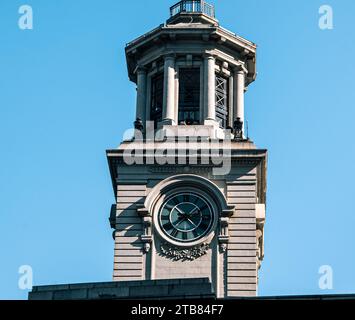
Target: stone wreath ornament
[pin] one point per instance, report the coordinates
(184, 254)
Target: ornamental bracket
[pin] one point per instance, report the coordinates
(146, 237)
(223, 237)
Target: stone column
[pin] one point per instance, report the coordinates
(239, 89)
(169, 91)
(210, 98)
(141, 94)
(231, 101)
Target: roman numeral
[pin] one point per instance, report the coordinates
(195, 200)
(164, 217)
(168, 226)
(195, 233)
(169, 205)
(203, 226)
(204, 207)
(175, 233)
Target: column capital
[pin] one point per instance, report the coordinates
(240, 69)
(209, 56)
(169, 56)
(140, 69)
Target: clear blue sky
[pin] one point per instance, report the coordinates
(65, 98)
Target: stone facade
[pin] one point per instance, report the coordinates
(235, 252)
(205, 121)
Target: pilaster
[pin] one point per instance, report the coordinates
(169, 91)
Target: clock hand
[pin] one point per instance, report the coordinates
(193, 212)
(182, 213)
(181, 221)
(188, 219)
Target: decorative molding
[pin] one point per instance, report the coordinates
(240, 69)
(147, 243)
(260, 222)
(170, 55)
(184, 254)
(223, 247)
(147, 237)
(180, 169)
(229, 212)
(113, 217)
(140, 69)
(260, 245)
(209, 54)
(223, 237)
(131, 182)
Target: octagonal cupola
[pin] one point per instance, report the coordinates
(191, 72)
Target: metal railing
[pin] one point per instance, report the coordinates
(200, 6)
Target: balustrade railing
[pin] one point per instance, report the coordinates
(200, 6)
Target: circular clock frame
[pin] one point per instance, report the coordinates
(192, 232)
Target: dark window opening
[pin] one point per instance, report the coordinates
(222, 110)
(189, 96)
(156, 110)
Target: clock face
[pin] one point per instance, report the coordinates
(186, 217)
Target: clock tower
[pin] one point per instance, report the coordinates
(190, 185)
